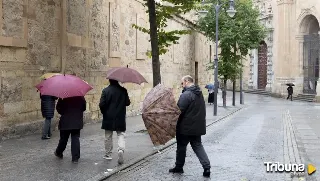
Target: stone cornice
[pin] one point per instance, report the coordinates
(280, 2)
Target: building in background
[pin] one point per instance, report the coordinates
(84, 37)
(290, 52)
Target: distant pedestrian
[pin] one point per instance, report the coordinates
(113, 102)
(290, 92)
(71, 122)
(191, 126)
(48, 104)
(211, 96)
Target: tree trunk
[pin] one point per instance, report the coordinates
(154, 43)
(234, 93)
(224, 93)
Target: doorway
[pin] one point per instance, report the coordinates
(262, 65)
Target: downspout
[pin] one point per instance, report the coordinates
(63, 36)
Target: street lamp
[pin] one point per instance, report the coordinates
(231, 12)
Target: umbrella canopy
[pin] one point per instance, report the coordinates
(160, 114)
(64, 86)
(290, 84)
(48, 75)
(209, 86)
(125, 74)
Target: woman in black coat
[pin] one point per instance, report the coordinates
(71, 122)
(48, 104)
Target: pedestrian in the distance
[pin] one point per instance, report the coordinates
(71, 122)
(211, 96)
(113, 102)
(48, 104)
(290, 92)
(191, 126)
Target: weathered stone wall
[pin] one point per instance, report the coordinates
(85, 37)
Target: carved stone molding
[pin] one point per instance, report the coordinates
(280, 2)
(74, 39)
(114, 30)
(141, 37)
(20, 41)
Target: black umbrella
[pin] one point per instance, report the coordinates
(290, 84)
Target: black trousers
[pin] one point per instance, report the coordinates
(75, 143)
(196, 144)
(211, 98)
(289, 96)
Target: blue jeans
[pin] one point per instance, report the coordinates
(46, 131)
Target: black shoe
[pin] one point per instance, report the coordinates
(206, 173)
(58, 155)
(176, 170)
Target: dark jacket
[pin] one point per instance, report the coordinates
(192, 120)
(71, 111)
(290, 90)
(113, 102)
(48, 104)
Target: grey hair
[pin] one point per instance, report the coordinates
(187, 78)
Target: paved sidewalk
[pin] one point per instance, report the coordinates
(237, 148)
(30, 158)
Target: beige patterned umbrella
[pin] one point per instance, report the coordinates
(160, 114)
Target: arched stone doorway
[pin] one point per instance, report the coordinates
(262, 65)
(311, 46)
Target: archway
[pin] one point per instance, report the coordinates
(311, 46)
(262, 65)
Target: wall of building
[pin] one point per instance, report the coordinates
(287, 45)
(85, 37)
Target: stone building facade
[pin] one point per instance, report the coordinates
(85, 37)
(290, 52)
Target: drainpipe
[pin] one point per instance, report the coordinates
(63, 26)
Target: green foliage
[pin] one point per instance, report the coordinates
(237, 35)
(166, 11)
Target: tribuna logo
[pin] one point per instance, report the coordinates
(279, 167)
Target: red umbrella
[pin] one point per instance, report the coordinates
(125, 74)
(64, 86)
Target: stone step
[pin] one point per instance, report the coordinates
(261, 92)
(305, 97)
(303, 100)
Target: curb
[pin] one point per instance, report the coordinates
(103, 176)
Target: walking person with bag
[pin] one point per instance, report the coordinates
(113, 102)
(48, 104)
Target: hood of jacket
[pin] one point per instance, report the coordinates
(194, 89)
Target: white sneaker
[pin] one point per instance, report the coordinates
(107, 157)
(120, 157)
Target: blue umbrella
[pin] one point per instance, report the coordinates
(209, 86)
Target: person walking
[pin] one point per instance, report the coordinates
(48, 104)
(71, 122)
(113, 102)
(191, 126)
(290, 92)
(211, 96)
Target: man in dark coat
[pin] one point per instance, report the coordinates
(47, 109)
(71, 122)
(191, 126)
(290, 92)
(113, 102)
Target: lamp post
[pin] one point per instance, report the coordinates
(231, 12)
